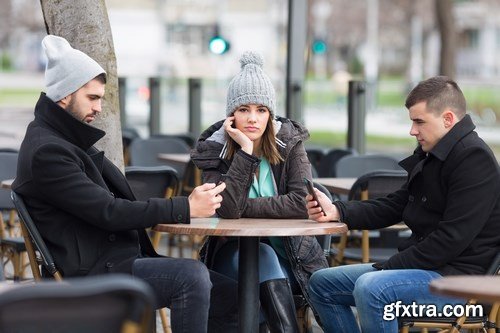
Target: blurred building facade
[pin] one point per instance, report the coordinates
(170, 37)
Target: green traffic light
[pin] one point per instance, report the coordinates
(218, 45)
(319, 46)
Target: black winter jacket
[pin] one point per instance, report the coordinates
(451, 203)
(304, 253)
(82, 203)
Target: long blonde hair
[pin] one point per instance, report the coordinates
(268, 145)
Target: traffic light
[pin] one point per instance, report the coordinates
(319, 46)
(218, 45)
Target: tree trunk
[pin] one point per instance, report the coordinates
(446, 23)
(85, 24)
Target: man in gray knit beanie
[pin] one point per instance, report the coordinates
(89, 216)
(251, 85)
(67, 69)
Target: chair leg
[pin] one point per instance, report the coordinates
(165, 323)
(337, 259)
(304, 320)
(301, 319)
(156, 240)
(16, 263)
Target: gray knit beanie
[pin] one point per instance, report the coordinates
(67, 69)
(251, 85)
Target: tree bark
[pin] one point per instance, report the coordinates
(446, 24)
(85, 25)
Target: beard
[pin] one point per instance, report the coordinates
(72, 109)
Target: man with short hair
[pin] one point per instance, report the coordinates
(86, 211)
(451, 203)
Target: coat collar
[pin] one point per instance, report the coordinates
(414, 163)
(446, 144)
(73, 130)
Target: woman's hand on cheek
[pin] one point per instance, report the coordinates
(238, 136)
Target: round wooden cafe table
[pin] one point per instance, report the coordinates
(479, 287)
(249, 231)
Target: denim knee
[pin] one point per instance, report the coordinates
(369, 285)
(316, 284)
(197, 275)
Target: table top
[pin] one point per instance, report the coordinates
(253, 227)
(336, 185)
(7, 183)
(183, 158)
(480, 287)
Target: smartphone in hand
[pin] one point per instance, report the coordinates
(310, 189)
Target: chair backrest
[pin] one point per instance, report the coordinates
(188, 138)
(152, 182)
(357, 165)
(377, 184)
(315, 155)
(328, 164)
(34, 241)
(144, 152)
(8, 170)
(97, 304)
(128, 135)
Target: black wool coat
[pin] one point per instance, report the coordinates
(82, 203)
(451, 203)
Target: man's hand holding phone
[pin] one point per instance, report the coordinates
(319, 207)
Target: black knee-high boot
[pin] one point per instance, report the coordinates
(276, 300)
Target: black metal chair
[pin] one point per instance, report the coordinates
(128, 135)
(489, 323)
(188, 138)
(98, 304)
(315, 155)
(144, 152)
(372, 185)
(11, 243)
(328, 164)
(152, 181)
(38, 252)
(39, 255)
(357, 165)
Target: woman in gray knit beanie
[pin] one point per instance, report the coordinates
(262, 160)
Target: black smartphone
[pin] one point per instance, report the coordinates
(310, 189)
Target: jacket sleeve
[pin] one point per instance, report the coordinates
(60, 176)
(473, 190)
(375, 213)
(292, 203)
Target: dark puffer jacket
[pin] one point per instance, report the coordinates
(304, 252)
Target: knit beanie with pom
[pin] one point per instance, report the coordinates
(251, 85)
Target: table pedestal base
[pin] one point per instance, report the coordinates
(248, 286)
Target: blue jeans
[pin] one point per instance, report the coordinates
(334, 290)
(271, 266)
(199, 300)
